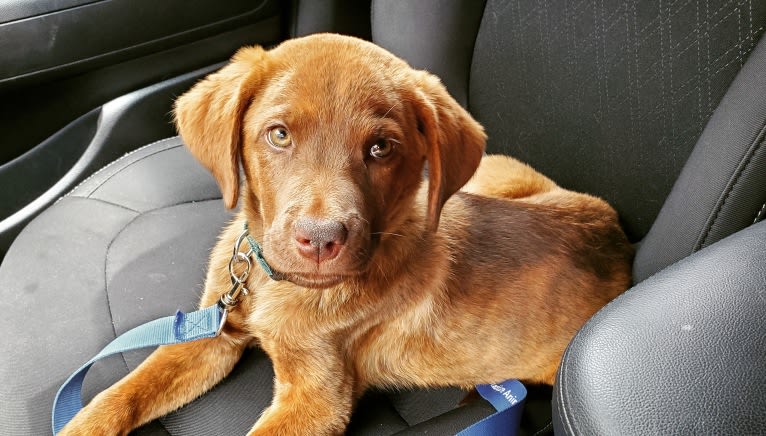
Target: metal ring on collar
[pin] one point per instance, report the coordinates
(240, 257)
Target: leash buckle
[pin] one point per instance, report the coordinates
(230, 299)
(224, 315)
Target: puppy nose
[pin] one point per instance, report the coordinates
(319, 240)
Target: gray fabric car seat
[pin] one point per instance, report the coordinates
(658, 107)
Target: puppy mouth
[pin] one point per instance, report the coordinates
(292, 268)
(314, 280)
(317, 278)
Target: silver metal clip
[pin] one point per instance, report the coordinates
(230, 299)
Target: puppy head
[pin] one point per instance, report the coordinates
(332, 133)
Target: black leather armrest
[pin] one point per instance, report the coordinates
(682, 352)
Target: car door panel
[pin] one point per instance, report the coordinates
(57, 66)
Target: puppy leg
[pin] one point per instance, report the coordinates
(169, 378)
(505, 177)
(312, 395)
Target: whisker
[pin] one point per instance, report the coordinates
(389, 111)
(382, 271)
(387, 233)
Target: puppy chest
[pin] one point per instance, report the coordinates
(398, 350)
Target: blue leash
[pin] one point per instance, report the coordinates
(507, 397)
(183, 327)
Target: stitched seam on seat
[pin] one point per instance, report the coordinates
(562, 370)
(101, 200)
(752, 151)
(562, 392)
(372, 21)
(108, 178)
(106, 283)
(548, 427)
(760, 213)
(106, 260)
(201, 200)
(112, 163)
(133, 153)
(470, 61)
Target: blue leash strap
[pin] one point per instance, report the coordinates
(508, 399)
(183, 327)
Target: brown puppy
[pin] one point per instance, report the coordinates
(386, 282)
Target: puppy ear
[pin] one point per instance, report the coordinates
(209, 117)
(455, 142)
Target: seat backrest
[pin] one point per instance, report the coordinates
(612, 98)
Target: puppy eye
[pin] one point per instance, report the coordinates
(381, 149)
(279, 137)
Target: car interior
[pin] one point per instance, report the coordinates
(659, 107)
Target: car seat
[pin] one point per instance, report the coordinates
(658, 107)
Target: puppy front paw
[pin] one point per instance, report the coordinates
(89, 428)
(97, 421)
(276, 422)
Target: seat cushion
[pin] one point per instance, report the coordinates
(128, 245)
(610, 97)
